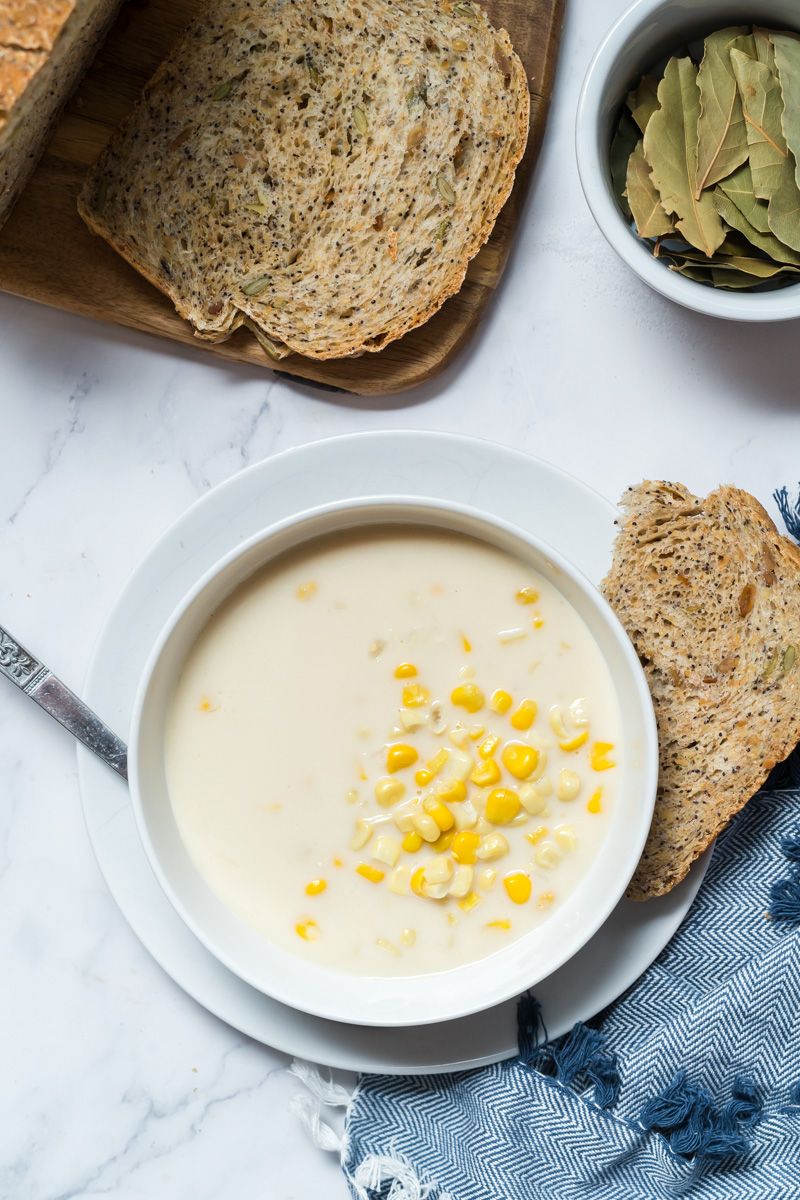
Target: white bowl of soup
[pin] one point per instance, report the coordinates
(393, 761)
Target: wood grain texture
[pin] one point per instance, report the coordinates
(48, 255)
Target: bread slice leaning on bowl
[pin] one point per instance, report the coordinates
(321, 172)
(709, 593)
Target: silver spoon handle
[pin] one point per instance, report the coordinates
(38, 682)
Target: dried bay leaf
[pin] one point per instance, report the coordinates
(765, 51)
(622, 147)
(783, 213)
(738, 187)
(787, 65)
(670, 147)
(721, 132)
(737, 280)
(643, 101)
(643, 197)
(766, 242)
(758, 267)
(762, 104)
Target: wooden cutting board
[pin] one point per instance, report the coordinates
(47, 254)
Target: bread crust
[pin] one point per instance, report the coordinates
(709, 593)
(115, 220)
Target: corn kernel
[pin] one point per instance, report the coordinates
(412, 718)
(422, 777)
(537, 622)
(459, 736)
(399, 756)
(465, 845)
(575, 743)
(543, 788)
(532, 802)
(556, 719)
(598, 756)
(476, 732)
(370, 873)
(351, 796)
(565, 836)
(468, 696)
(518, 886)
(461, 883)
(545, 900)
(315, 887)
(361, 835)
(502, 805)
(485, 773)
(469, 902)
(400, 880)
(405, 670)
(426, 827)
(524, 716)
(408, 937)
(403, 816)
(306, 590)
(526, 595)
(503, 924)
(467, 672)
(418, 881)
(386, 850)
(501, 701)
(578, 713)
(492, 846)
(439, 759)
(488, 746)
(466, 816)
(440, 813)
(519, 759)
(537, 834)
(415, 695)
(362, 774)
(595, 802)
(459, 765)
(439, 870)
(547, 855)
(443, 842)
(504, 636)
(466, 644)
(487, 879)
(337, 862)
(436, 719)
(452, 791)
(411, 842)
(389, 791)
(307, 930)
(568, 786)
(385, 944)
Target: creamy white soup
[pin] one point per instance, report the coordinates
(392, 752)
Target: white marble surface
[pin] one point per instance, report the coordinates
(112, 1081)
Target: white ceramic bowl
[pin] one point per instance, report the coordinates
(412, 1000)
(647, 32)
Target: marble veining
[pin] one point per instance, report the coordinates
(113, 1082)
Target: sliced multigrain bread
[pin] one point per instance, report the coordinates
(709, 593)
(320, 170)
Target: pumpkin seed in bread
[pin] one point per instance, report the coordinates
(709, 593)
(320, 171)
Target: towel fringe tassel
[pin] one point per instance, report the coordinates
(376, 1171)
(687, 1117)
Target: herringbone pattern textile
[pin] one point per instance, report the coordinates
(722, 1000)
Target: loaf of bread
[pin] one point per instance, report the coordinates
(709, 593)
(44, 47)
(320, 170)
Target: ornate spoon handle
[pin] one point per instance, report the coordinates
(38, 682)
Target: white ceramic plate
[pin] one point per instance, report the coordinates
(518, 489)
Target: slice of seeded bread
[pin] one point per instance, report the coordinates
(709, 593)
(319, 170)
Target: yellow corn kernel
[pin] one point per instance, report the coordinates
(307, 930)
(315, 886)
(389, 791)
(595, 802)
(415, 695)
(466, 644)
(465, 846)
(537, 834)
(411, 842)
(565, 836)
(306, 590)
(362, 774)
(205, 705)
(405, 670)
(399, 756)
(538, 622)
(519, 759)
(443, 842)
(487, 879)
(518, 886)
(556, 718)
(568, 786)
(502, 805)
(361, 834)
(418, 881)
(385, 944)
(461, 883)
(368, 872)
(468, 696)
(575, 743)
(386, 850)
(488, 746)
(525, 715)
(476, 732)
(400, 880)
(526, 595)
(486, 773)
(545, 900)
(426, 827)
(422, 777)
(503, 923)
(469, 902)
(440, 813)
(412, 718)
(452, 791)
(501, 701)
(436, 763)
(598, 756)
(547, 855)
(492, 846)
(408, 937)
(337, 862)
(533, 803)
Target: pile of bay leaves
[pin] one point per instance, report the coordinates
(705, 160)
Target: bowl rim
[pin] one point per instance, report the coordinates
(782, 304)
(313, 990)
